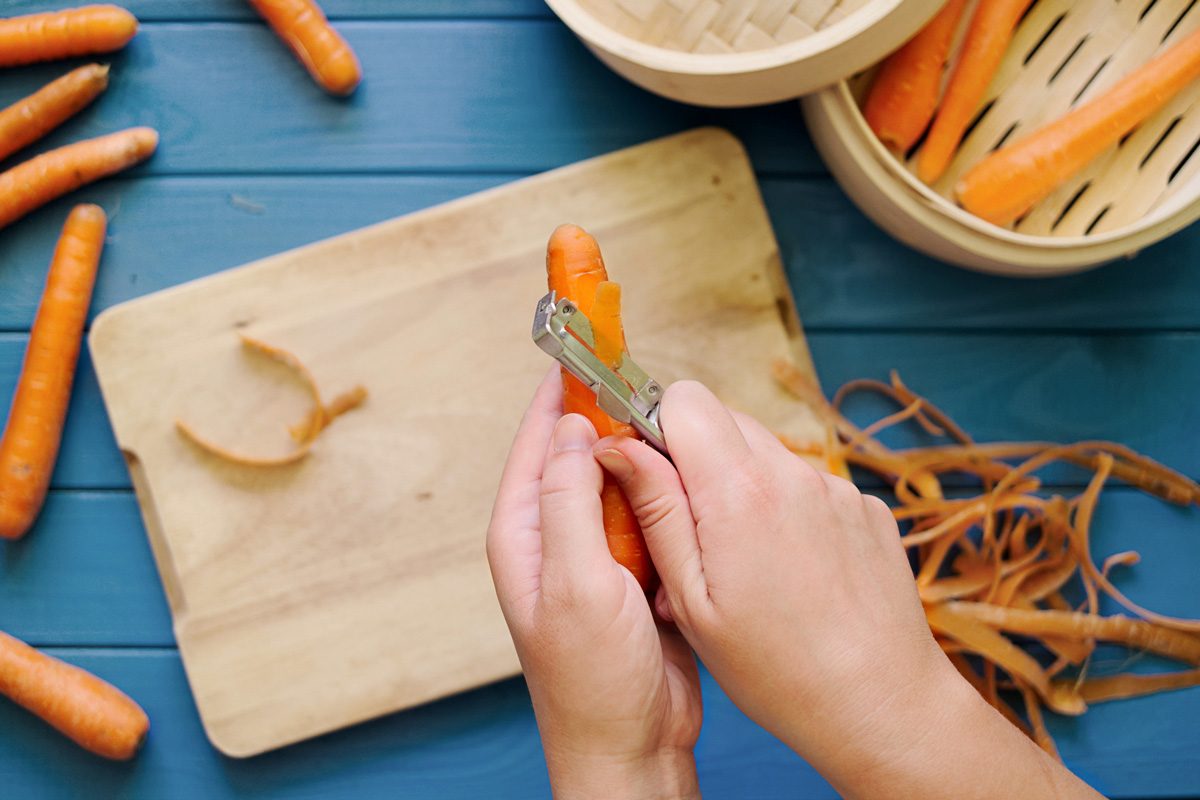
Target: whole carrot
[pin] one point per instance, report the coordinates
(94, 714)
(64, 34)
(31, 438)
(1011, 180)
(905, 92)
(32, 117)
(325, 54)
(988, 36)
(39, 180)
(575, 269)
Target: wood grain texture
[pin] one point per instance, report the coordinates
(152, 10)
(848, 274)
(367, 558)
(430, 102)
(1001, 387)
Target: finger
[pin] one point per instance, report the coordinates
(514, 545)
(760, 439)
(658, 499)
(704, 440)
(574, 549)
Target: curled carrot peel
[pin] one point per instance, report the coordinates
(29, 447)
(39, 180)
(64, 34)
(324, 53)
(94, 714)
(32, 117)
(575, 271)
(304, 434)
(990, 566)
(904, 94)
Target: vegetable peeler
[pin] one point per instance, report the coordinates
(626, 394)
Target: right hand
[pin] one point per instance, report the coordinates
(791, 585)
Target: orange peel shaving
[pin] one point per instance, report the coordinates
(304, 433)
(989, 566)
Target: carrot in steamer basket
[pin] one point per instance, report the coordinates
(64, 34)
(39, 180)
(30, 443)
(575, 271)
(325, 54)
(32, 117)
(94, 714)
(905, 92)
(1010, 181)
(988, 36)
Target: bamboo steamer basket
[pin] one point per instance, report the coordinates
(1064, 52)
(741, 52)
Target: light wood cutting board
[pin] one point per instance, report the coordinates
(354, 583)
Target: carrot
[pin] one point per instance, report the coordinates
(325, 54)
(43, 178)
(94, 714)
(988, 36)
(64, 34)
(904, 94)
(575, 271)
(1119, 687)
(1010, 181)
(32, 117)
(31, 438)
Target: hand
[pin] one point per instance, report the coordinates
(617, 696)
(796, 593)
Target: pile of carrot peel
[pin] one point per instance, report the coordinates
(991, 566)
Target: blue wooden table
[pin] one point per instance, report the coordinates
(461, 95)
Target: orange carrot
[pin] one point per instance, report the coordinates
(39, 180)
(988, 35)
(64, 34)
(32, 117)
(905, 92)
(575, 270)
(1010, 181)
(94, 714)
(325, 54)
(31, 438)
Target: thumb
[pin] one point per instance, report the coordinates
(661, 505)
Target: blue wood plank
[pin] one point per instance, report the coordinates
(149, 10)
(485, 744)
(481, 744)
(1132, 388)
(458, 96)
(84, 576)
(846, 273)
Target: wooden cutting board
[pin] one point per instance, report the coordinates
(354, 583)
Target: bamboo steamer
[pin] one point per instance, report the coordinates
(1064, 52)
(741, 52)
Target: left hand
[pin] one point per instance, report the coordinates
(617, 695)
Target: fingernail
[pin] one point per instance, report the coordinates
(573, 432)
(615, 462)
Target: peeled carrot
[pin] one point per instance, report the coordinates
(905, 92)
(64, 34)
(39, 180)
(93, 713)
(988, 36)
(575, 271)
(325, 54)
(31, 438)
(1010, 181)
(32, 117)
